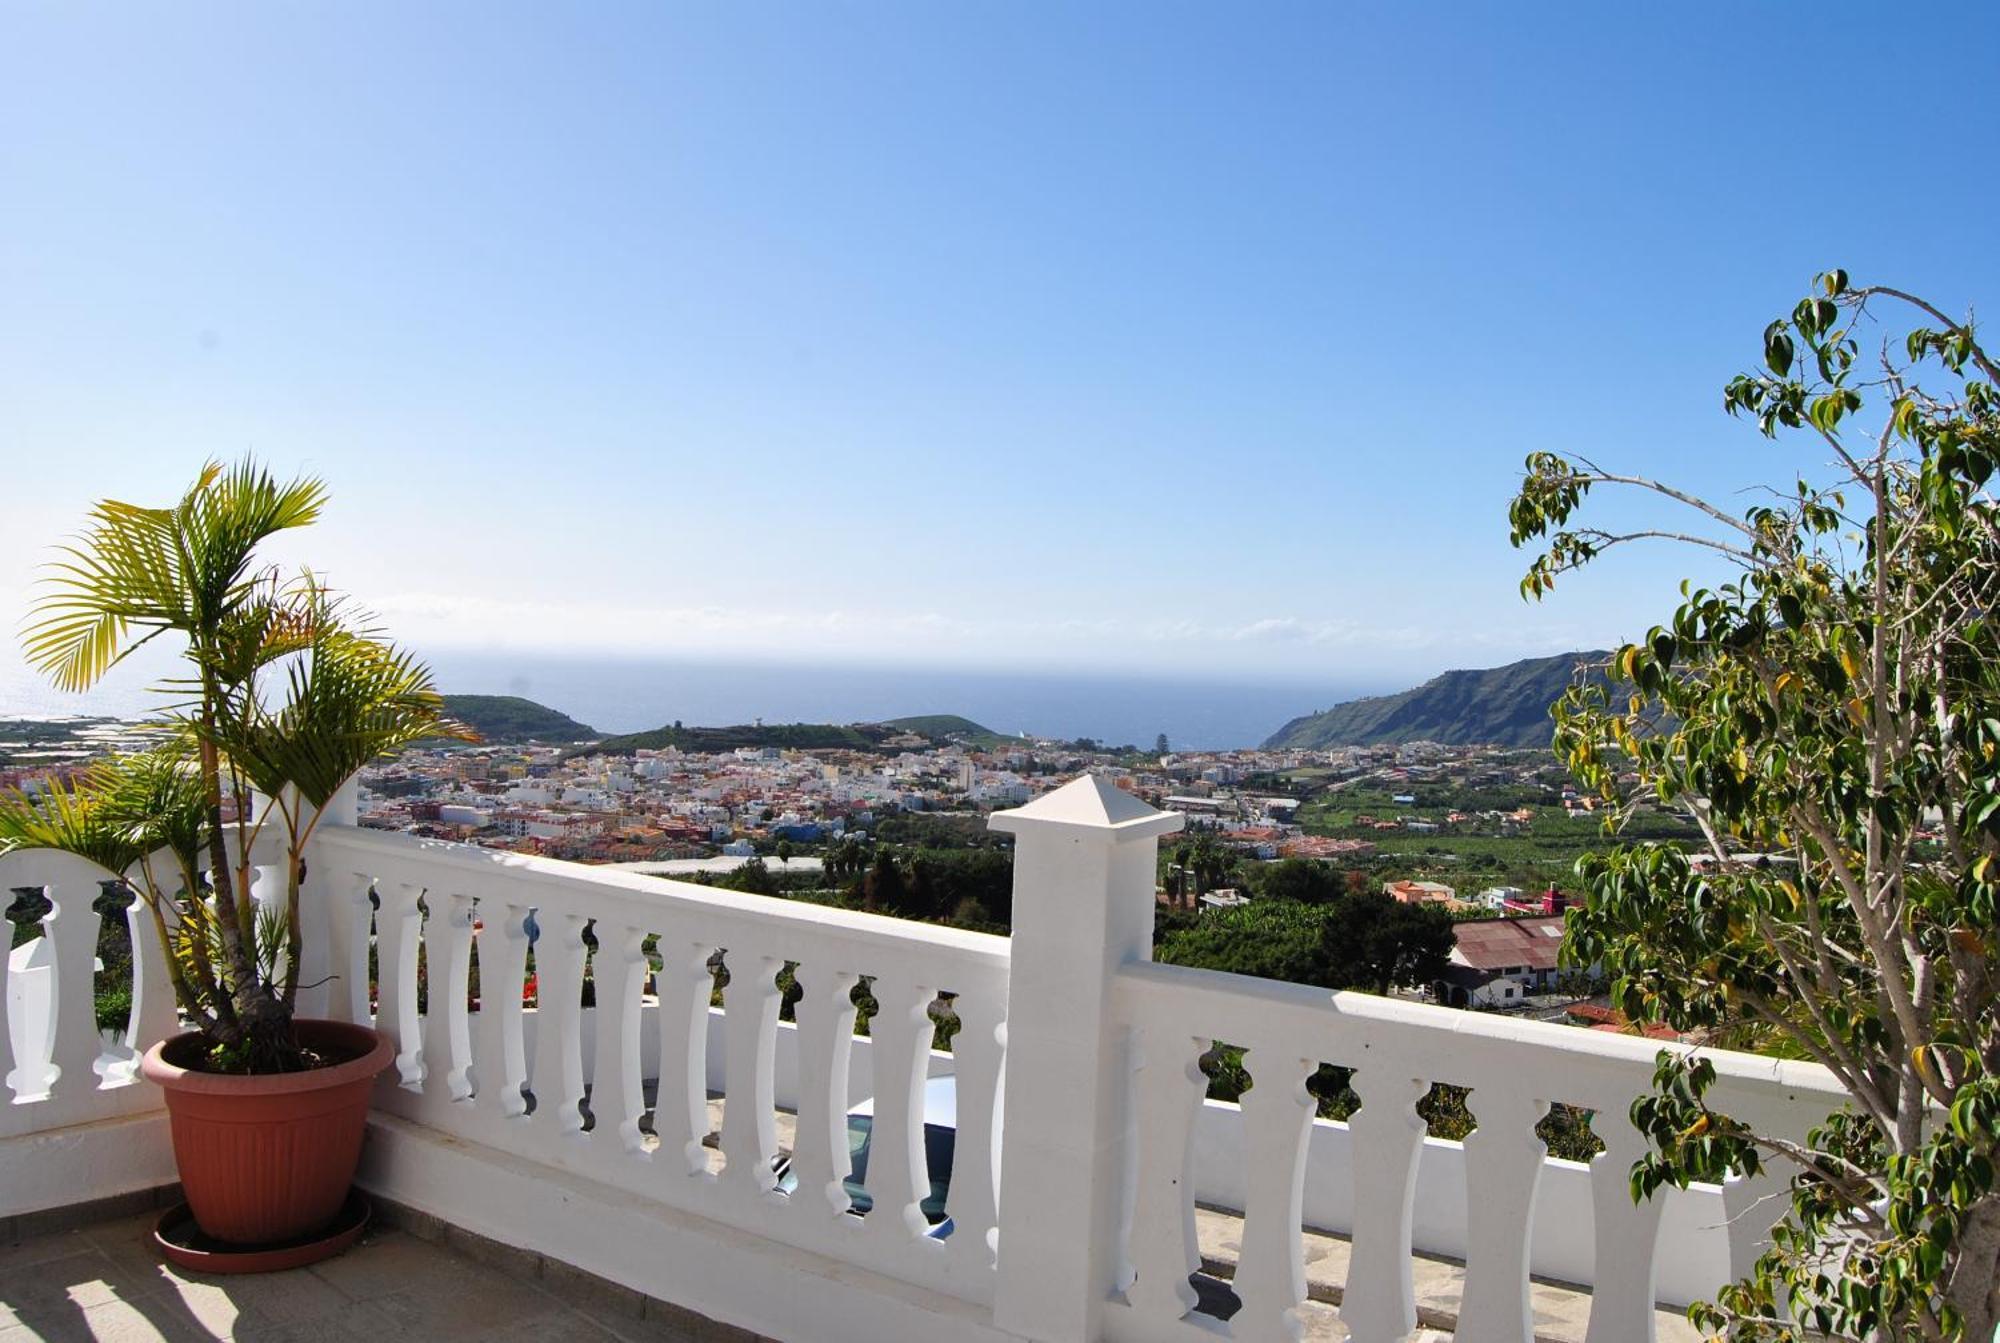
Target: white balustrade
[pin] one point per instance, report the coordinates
(1076, 1061)
(398, 927)
(680, 1114)
(1277, 1116)
(56, 1068)
(749, 1113)
(1170, 1087)
(654, 1024)
(1621, 1299)
(1504, 1158)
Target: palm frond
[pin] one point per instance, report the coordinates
(349, 699)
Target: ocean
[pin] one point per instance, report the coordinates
(613, 695)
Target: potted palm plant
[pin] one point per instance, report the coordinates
(286, 694)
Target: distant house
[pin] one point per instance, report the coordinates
(1499, 962)
(1420, 893)
(1551, 901)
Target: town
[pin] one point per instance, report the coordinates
(1486, 835)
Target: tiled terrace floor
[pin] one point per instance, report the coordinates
(106, 1283)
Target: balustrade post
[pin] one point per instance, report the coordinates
(1085, 859)
(326, 921)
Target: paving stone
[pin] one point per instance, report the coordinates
(58, 1287)
(568, 1328)
(119, 1321)
(105, 1284)
(383, 1262)
(354, 1320)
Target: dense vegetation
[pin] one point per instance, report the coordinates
(1362, 940)
(509, 718)
(1503, 706)
(966, 888)
(1478, 852)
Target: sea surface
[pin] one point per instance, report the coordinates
(1200, 713)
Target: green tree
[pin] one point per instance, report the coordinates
(1208, 861)
(1306, 880)
(1350, 943)
(1834, 705)
(752, 877)
(1373, 942)
(885, 887)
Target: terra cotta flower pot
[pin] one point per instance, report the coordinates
(269, 1158)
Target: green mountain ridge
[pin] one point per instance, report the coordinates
(951, 727)
(1499, 706)
(507, 719)
(937, 729)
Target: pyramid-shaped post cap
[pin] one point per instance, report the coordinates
(1089, 803)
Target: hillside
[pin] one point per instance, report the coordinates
(951, 727)
(1503, 706)
(939, 729)
(509, 718)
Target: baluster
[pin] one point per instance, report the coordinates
(348, 928)
(826, 1040)
(7, 1059)
(1379, 1304)
(447, 1033)
(617, 1093)
(680, 1107)
(1170, 1087)
(398, 925)
(558, 1080)
(72, 927)
(1621, 1293)
(1751, 1206)
(897, 1176)
(1277, 1122)
(977, 1057)
(1503, 1167)
(499, 1061)
(750, 1039)
(155, 1010)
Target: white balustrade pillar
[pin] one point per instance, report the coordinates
(1085, 857)
(326, 921)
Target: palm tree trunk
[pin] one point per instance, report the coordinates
(262, 1024)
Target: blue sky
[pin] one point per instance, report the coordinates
(1141, 338)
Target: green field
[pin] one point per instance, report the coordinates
(1544, 850)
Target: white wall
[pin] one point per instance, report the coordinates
(82, 1163)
